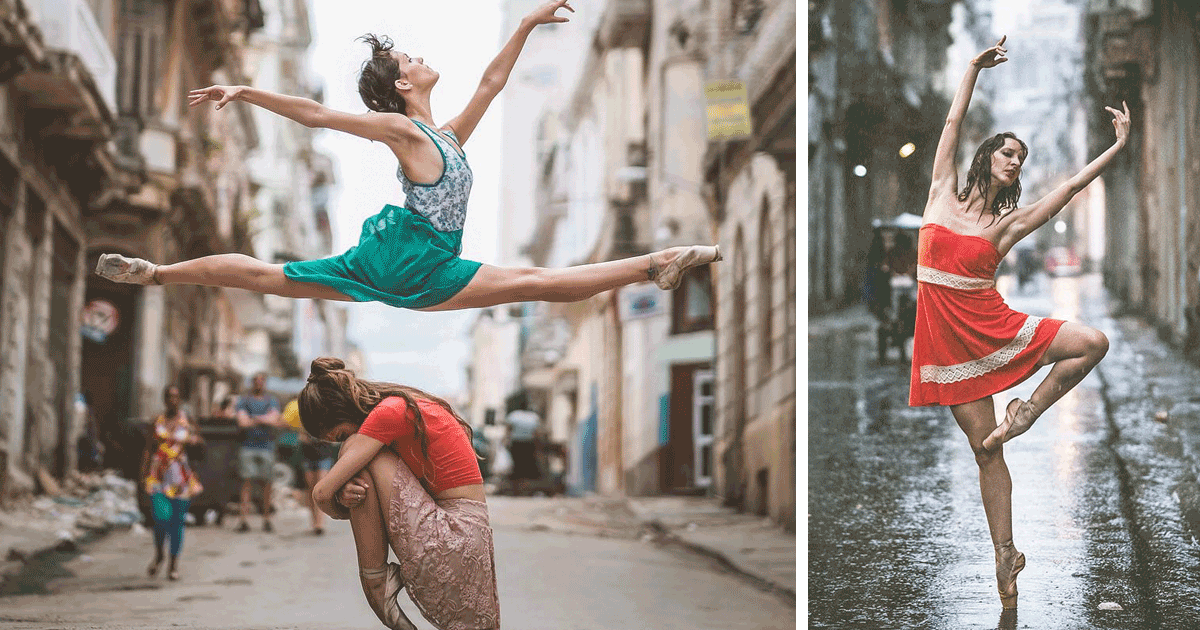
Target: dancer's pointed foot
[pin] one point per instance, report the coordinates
(671, 275)
(381, 587)
(118, 268)
(1019, 415)
(1009, 563)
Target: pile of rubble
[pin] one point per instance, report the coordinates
(82, 503)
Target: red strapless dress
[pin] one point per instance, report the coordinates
(968, 343)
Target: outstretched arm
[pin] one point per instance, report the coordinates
(1036, 214)
(383, 127)
(945, 161)
(496, 74)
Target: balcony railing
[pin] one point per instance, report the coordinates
(70, 26)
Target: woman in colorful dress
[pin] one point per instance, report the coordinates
(406, 475)
(409, 257)
(968, 344)
(169, 479)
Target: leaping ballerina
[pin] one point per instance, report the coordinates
(408, 257)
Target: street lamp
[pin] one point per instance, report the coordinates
(860, 170)
(907, 149)
(1060, 227)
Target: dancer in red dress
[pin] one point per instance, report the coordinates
(968, 343)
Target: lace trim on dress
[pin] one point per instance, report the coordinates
(943, 374)
(954, 281)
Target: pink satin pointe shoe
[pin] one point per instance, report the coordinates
(671, 276)
(1009, 563)
(118, 268)
(381, 587)
(1016, 422)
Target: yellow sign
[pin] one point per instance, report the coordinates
(728, 111)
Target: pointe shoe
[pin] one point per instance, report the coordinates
(1015, 423)
(118, 268)
(1009, 563)
(381, 587)
(671, 276)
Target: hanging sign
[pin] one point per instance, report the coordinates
(100, 319)
(727, 111)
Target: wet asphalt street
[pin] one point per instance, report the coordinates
(897, 532)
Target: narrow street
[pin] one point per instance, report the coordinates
(549, 580)
(897, 533)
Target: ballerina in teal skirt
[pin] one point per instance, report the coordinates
(409, 257)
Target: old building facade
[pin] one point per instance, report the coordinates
(1146, 54)
(753, 185)
(100, 153)
(634, 381)
(876, 83)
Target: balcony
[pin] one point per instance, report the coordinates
(626, 24)
(69, 26)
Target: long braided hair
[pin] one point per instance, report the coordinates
(334, 395)
(980, 175)
(378, 76)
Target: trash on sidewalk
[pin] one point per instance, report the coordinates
(82, 502)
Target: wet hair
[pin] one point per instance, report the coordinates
(378, 76)
(980, 174)
(334, 395)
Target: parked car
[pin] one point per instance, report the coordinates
(1062, 261)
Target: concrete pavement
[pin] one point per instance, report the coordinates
(551, 577)
(1101, 487)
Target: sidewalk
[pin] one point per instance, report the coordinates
(1153, 392)
(86, 505)
(749, 545)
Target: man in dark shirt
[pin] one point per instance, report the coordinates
(257, 415)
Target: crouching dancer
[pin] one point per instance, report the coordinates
(407, 475)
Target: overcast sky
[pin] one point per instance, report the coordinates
(458, 39)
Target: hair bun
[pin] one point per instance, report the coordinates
(324, 365)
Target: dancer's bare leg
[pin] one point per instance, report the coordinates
(977, 420)
(381, 581)
(370, 534)
(504, 285)
(1076, 349)
(234, 271)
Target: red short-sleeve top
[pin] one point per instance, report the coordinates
(452, 462)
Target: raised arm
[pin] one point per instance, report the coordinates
(383, 127)
(496, 74)
(1036, 214)
(945, 161)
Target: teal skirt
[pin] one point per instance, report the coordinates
(400, 260)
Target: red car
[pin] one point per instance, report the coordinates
(1062, 261)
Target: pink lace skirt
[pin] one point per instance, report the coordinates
(446, 555)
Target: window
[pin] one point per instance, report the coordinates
(691, 303)
(489, 417)
(141, 35)
(766, 306)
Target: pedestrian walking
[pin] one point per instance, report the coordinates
(169, 479)
(258, 417)
(968, 343)
(409, 257)
(407, 475)
(313, 459)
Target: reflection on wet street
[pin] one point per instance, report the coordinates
(897, 532)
